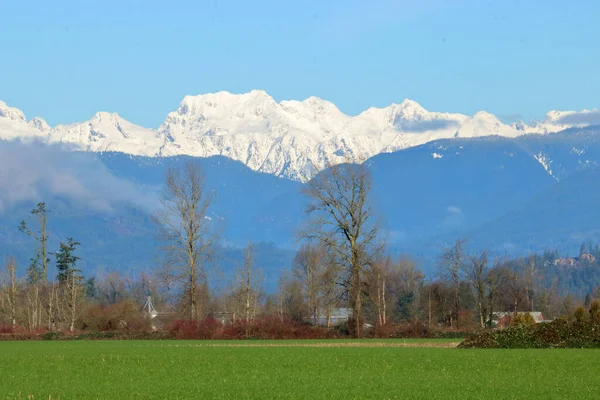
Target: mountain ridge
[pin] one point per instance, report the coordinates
(290, 139)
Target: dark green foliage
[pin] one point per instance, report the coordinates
(66, 260)
(595, 312)
(582, 332)
(91, 290)
(404, 301)
(34, 273)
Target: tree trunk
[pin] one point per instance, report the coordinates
(456, 302)
(51, 295)
(481, 314)
(193, 310)
(13, 294)
(429, 309)
(383, 302)
(356, 301)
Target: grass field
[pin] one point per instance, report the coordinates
(288, 369)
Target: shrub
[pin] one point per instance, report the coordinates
(208, 328)
(417, 329)
(523, 319)
(582, 332)
(122, 316)
(595, 311)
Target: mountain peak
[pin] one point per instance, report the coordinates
(39, 124)
(409, 104)
(104, 116)
(485, 115)
(408, 110)
(11, 113)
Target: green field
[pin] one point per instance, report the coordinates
(287, 369)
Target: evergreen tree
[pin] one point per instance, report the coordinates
(40, 260)
(34, 272)
(588, 300)
(66, 260)
(91, 290)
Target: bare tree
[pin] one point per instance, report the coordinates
(167, 278)
(450, 265)
(330, 293)
(186, 228)
(342, 219)
(409, 280)
(111, 289)
(496, 279)
(476, 270)
(249, 279)
(73, 296)
(12, 291)
(529, 272)
(309, 267)
(378, 275)
(291, 298)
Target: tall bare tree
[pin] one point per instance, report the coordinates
(476, 270)
(187, 230)
(311, 266)
(406, 281)
(167, 278)
(248, 281)
(377, 278)
(450, 265)
(11, 292)
(73, 292)
(496, 279)
(343, 220)
(528, 268)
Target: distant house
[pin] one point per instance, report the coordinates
(565, 262)
(587, 258)
(336, 316)
(502, 319)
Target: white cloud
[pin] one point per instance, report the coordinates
(581, 118)
(33, 172)
(454, 210)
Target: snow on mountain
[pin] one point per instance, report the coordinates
(14, 125)
(557, 121)
(291, 139)
(109, 132)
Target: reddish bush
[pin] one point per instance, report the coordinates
(208, 328)
(416, 329)
(268, 327)
(6, 329)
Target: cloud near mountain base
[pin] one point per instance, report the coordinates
(35, 172)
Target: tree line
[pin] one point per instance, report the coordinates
(342, 265)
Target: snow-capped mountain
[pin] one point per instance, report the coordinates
(291, 139)
(109, 132)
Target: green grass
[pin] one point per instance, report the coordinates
(194, 370)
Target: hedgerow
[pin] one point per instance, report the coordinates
(582, 332)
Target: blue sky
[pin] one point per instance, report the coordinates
(65, 60)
